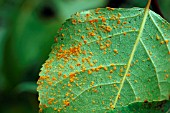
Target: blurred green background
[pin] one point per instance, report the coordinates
(27, 30)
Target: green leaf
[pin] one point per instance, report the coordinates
(2, 46)
(26, 87)
(107, 60)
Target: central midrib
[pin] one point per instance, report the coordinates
(133, 51)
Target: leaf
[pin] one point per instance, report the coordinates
(2, 46)
(107, 60)
(26, 87)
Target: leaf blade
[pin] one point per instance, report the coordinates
(94, 87)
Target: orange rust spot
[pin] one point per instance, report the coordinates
(100, 66)
(119, 15)
(71, 67)
(91, 53)
(89, 72)
(78, 64)
(94, 20)
(116, 51)
(110, 77)
(64, 76)
(97, 69)
(72, 76)
(87, 15)
(73, 21)
(87, 28)
(124, 33)
(145, 101)
(108, 28)
(95, 90)
(62, 35)
(111, 71)
(97, 10)
(75, 59)
(118, 22)
(92, 83)
(69, 85)
(50, 83)
(109, 8)
(162, 42)
(66, 94)
(83, 60)
(118, 96)
(107, 45)
(54, 78)
(157, 37)
(88, 60)
(128, 75)
(55, 40)
(92, 34)
(102, 102)
(114, 68)
(105, 68)
(91, 64)
(166, 41)
(82, 37)
(43, 77)
(166, 75)
(84, 52)
(45, 106)
(93, 69)
(124, 22)
(40, 110)
(103, 19)
(61, 49)
(68, 52)
(66, 102)
(121, 70)
(111, 106)
(102, 47)
(79, 30)
(85, 41)
(50, 100)
(59, 73)
(112, 64)
(48, 63)
(55, 109)
(113, 17)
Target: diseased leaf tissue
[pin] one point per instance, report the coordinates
(105, 61)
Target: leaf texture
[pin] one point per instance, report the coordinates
(105, 61)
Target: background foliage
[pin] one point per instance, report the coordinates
(27, 30)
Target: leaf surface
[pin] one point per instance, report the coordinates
(105, 60)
